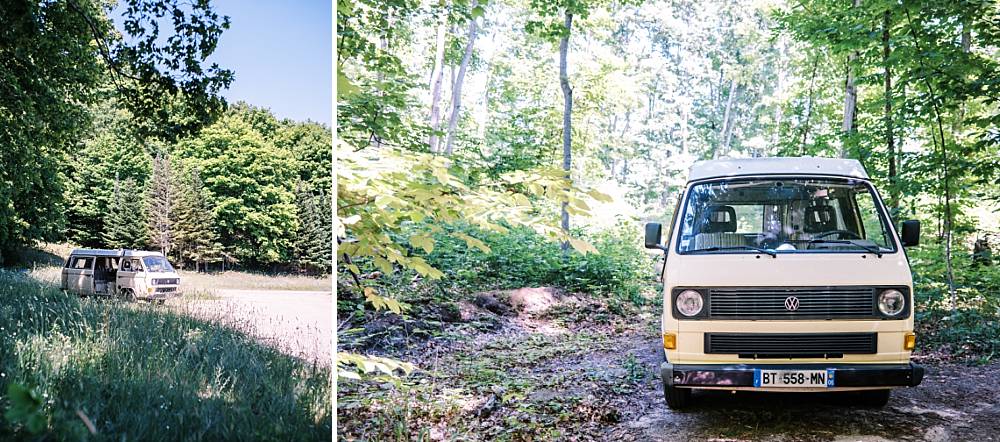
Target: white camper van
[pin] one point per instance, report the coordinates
(129, 274)
(785, 275)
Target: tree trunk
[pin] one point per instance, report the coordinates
(850, 101)
(890, 139)
(809, 105)
(726, 122)
(456, 93)
(684, 128)
(947, 226)
(567, 117)
(436, 78)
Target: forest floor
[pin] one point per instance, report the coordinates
(537, 364)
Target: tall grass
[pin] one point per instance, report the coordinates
(141, 372)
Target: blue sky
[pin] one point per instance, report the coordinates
(281, 53)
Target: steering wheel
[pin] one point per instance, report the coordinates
(837, 232)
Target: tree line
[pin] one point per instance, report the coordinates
(118, 137)
(248, 190)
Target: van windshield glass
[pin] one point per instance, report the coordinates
(157, 264)
(784, 215)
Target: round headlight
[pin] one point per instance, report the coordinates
(689, 303)
(891, 302)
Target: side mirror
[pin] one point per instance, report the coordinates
(654, 231)
(911, 233)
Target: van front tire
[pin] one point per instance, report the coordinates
(677, 398)
(128, 295)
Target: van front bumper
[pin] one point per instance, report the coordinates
(156, 296)
(741, 375)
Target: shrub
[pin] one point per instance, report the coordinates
(973, 330)
(523, 258)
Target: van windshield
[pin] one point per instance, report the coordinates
(157, 264)
(784, 215)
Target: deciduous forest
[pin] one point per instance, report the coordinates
(496, 160)
(129, 145)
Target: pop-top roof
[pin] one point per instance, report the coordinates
(118, 252)
(778, 165)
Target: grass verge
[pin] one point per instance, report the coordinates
(89, 369)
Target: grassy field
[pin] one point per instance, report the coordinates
(75, 369)
(206, 282)
(45, 262)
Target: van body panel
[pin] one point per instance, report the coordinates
(126, 275)
(78, 274)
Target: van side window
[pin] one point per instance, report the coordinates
(81, 263)
(870, 221)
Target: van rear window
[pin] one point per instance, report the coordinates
(81, 262)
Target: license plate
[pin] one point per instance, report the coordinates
(792, 378)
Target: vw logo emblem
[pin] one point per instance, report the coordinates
(791, 303)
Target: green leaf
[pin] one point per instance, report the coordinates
(423, 241)
(582, 246)
(383, 265)
(477, 12)
(344, 86)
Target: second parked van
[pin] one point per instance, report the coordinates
(129, 274)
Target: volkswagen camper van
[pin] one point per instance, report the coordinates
(785, 275)
(129, 274)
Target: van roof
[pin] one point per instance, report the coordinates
(777, 165)
(117, 252)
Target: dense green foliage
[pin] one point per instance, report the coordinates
(906, 88)
(522, 258)
(972, 331)
(230, 189)
(56, 58)
(139, 372)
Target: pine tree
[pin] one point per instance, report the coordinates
(313, 239)
(161, 196)
(125, 226)
(195, 238)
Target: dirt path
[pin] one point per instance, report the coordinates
(297, 322)
(569, 375)
(954, 402)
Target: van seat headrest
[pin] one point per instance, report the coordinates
(820, 219)
(719, 219)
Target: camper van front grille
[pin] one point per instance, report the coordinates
(776, 303)
(786, 345)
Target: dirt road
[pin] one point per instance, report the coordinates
(576, 372)
(954, 403)
(297, 322)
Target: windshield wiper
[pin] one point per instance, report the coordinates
(716, 248)
(872, 249)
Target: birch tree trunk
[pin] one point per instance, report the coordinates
(850, 100)
(726, 122)
(436, 78)
(567, 117)
(456, 93)
(809, 106)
